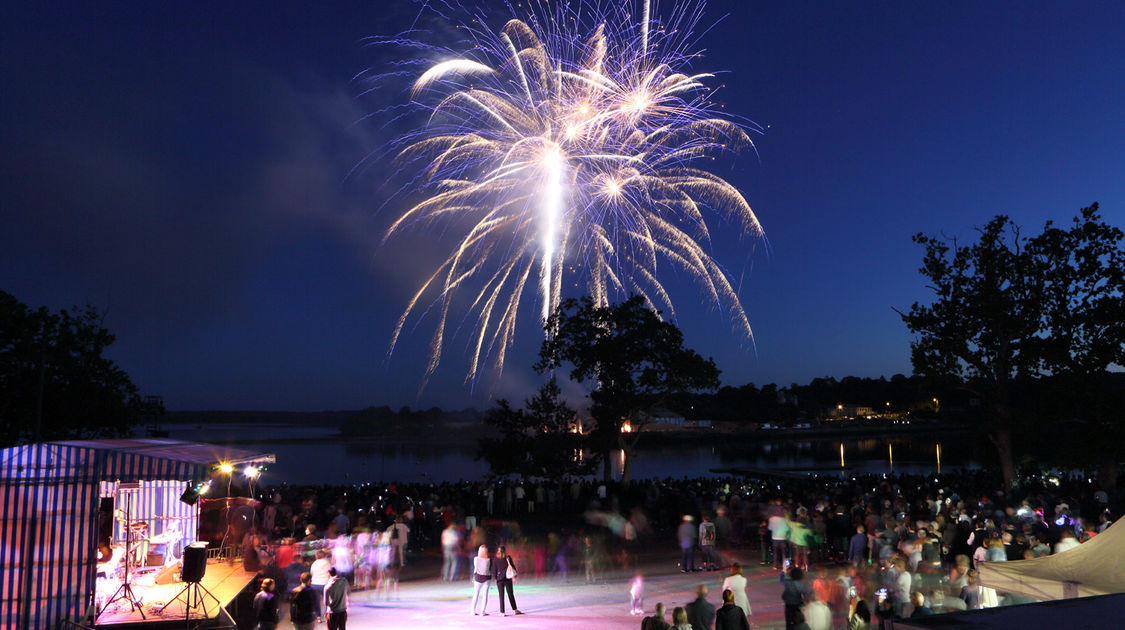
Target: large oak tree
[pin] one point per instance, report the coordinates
(1009, 308)
(633, 359)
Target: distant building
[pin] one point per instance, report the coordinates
(852, 411)
(662, 419)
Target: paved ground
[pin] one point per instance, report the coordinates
(429, 603)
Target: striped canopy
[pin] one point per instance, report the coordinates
(49, 515)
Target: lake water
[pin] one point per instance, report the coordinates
(317, 455)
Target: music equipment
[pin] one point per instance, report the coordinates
(125, 591)
(195, 562)
(192, 595)
(167, 575)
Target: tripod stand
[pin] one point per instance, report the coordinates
(193, 592)
(125, 591)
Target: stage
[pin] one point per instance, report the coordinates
(224, 580)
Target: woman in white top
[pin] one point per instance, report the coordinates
(736, 582)
(320, 578)
(482, 575)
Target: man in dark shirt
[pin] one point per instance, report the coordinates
(302, 604)
(857, 547)
(336, 601)
(700, 612)
(920, 607)
(795, 595)
(265, 607)
(839, 528)
(656, 621)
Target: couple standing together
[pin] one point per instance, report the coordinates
(485, 569)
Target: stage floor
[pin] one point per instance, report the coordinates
(225, 581)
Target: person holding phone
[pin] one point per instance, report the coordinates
(794, 595)
(859, 617)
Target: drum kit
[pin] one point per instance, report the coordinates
(168, 542)
(138, 543)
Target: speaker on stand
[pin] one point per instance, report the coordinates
(195, 562)
(194, 568)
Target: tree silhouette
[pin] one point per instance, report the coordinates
(55, 382)
(634, 359)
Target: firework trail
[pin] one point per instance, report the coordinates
(569, 146)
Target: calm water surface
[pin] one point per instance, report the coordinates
(317, 455)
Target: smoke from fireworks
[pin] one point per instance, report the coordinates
(568, 147)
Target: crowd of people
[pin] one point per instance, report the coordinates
(850, 551)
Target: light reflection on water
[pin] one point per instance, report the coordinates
(316, 455)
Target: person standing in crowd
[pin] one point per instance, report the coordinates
(302, 604)
(321, 574)
(818, 615)
(799, 538)
(700, 612)
(920, 607)
(265, 607)
(779, 534)
(707, 544)
(857, 547)
(686, 535)
(504, 570)
(970, 593)
(736, 583)
(450, 552)
(729, 616)
(397, 534)
(336, 601)
(794, 595)
(656, 621)
(859, 616)
(679, 619)
(899, 584)
(1067, 541)
(342, 557)
(482, 575)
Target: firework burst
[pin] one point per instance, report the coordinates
(568, 148)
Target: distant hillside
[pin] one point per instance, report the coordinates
(256, 417)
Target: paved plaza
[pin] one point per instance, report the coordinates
(424, 601)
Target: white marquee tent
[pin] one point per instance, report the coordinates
(1096, 567)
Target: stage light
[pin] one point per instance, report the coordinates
(193, 492)
(251, 471)
(226, 468)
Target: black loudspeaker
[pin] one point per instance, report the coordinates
(195, 562)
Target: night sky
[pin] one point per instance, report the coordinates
(185, 168)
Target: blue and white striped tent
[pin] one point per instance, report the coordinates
(49, 496)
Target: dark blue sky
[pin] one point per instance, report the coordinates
(183, 166)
